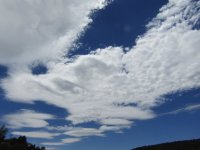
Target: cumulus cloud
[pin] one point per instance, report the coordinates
(93, 86)
(27, 118)
(36, 134)
(41, 30)
(114, 88)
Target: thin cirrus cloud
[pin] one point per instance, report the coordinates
(188, 108)
(114, 88)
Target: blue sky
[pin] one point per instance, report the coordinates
(97, 74)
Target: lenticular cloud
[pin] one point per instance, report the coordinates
(114, 88)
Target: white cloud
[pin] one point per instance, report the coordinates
(36, 134)
(192, 107)
(83, 132)
(63, 142)
(52, 143)
(188, 108)
(41, 30)
(116, 129)
(51, 148)
(71, 140)
(104, 128)
(59, 128)
(27, 118)
(114, 88)
(116, 122)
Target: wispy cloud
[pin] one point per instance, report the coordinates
(52, 143)
(188, 108)
(51, 148)
(36, 134)
(71, 140)
(94, 87)
(83, 132)
(47, 28)
(108, 86)
(62, 142)
(27, 118)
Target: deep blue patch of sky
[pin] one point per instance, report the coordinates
(3, 71)
(119, 24)
(178, 100)
(39, 69)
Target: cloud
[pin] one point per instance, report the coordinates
(52, 143)
(71, 140)
(114, 88)
(83, 132)
(192, 107)
(27, 118)
(41, 30)
(188, 108)
(116, 122)
(51, 148)
(59, 128)
(116, 129)
(63, 142)
(95, 131)
(36, 134)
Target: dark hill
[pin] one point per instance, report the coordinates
(179, 145)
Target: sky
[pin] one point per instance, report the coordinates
(99, 74)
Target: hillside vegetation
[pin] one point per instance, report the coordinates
(19, 143)
(179, 145)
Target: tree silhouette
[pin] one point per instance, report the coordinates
(19, 143)
(3, 132)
